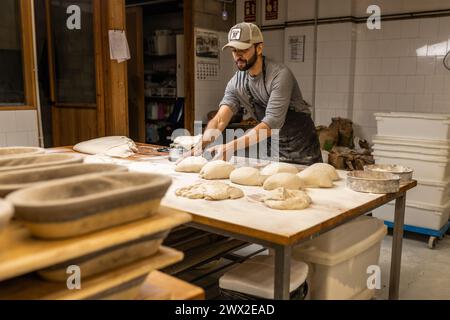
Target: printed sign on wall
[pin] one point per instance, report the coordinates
(250, 11)
(271, 9)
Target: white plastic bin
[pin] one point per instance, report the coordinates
(430, 192)
(414, 125)
(255, 277)
(417, 214)
(412, 146)
(339, 259)
(434, 168)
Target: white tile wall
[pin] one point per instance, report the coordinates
(403, 70)
(18, 128)
(208, 94)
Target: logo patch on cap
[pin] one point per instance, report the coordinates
(235, 34)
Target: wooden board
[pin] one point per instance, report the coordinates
(21, 254)
(160, 286)
(31, 287)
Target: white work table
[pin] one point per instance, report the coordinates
(249, 220)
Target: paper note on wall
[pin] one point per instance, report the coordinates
(118, 46)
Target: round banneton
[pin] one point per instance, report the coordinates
(405, 173)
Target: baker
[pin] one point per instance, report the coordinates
(269, 93)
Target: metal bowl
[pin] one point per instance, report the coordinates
(405, 173)
(373, 182)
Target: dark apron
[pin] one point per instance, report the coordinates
(298, 140)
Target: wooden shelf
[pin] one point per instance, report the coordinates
(20, 253)
(160, 286)
(162, 98)
(31, 287)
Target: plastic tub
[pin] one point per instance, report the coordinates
(254, 277)
(425, 167)
(338, 259)
(414, 125)
(413, 146)
(430, 192)
(417, 214)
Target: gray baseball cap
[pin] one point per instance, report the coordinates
(243, 35)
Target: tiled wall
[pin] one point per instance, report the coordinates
(360, 71)
(18, 128)
(209, 93)
(400, 68)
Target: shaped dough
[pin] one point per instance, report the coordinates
(284, 199)
(191, 164)
(285, 180)
(315, 177)
(113, 146)
(278, 167)
(246, 176)
(328, 168)
(218, 169)
(213, 190)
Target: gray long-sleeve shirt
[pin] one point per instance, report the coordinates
(279, 94)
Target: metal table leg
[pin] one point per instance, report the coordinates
(396, 255)
(282, 272)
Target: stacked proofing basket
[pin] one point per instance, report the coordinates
(422, 142)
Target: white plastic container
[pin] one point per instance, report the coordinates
(417, 214)
(412, 146)
(430, 192)
(338, 260)
(414, 125)
(436, 168)
(255, 277)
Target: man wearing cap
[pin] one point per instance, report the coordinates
(270, 94)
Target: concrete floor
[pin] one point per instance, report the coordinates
(425, 273)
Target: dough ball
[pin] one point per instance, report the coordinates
(246, 176)
(213, 190)
(216, 170)
(285, 180)
(278, 167)
(191, 164)
(284, 199)
(328, 168)
(315, 177)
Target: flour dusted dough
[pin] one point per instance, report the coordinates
(218, 169)
(315, 177)
(113, 146)
(284, 199)
(246, 176)
(278, 167)
(328, 168)
(213, 190)
(191, 164)
(285, 180)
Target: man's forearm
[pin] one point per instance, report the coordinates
(216, 126)
(259, 133)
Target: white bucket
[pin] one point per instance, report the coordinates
(413, 147)
(417, 214)
(434, 168)
(430, 192)
(414, 125)
(339, 259)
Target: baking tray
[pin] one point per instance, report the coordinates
(405, 173)
(373, 182)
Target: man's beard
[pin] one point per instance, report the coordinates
(248, 63)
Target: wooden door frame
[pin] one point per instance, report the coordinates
(189, 66)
